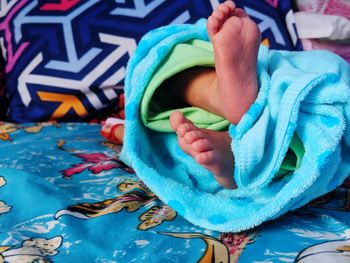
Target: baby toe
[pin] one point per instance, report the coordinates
(183, 145)
(205, 158)
(225, 9)
(184, 128)
(192, 136)
(239, 12)
(213, 25)
(220, 15)
(231, 5)
(176, 119)
(201, 145)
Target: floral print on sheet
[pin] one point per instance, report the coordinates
(66, 195)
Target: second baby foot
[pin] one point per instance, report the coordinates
(211, 149)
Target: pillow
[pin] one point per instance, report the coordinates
(3, 100)
(276, 22)
(65, 60)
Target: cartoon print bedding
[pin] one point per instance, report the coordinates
(66, 196)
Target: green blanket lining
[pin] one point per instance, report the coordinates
(155, 113)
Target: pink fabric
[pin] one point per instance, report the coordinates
(327, 7)
(342, 50)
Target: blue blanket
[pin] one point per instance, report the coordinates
(306, 93)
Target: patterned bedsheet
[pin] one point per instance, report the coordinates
(66, 197)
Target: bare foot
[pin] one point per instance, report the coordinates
(211, 149)
(235, 38)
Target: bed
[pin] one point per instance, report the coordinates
(65, 195)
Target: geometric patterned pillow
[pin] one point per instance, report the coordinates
(65, 60)
(275, 19)
(3, 99)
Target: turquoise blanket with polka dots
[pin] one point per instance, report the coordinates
(306, 93)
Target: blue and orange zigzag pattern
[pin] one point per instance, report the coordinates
(67, 59)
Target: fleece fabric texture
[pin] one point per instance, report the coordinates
(158, 102)
(306, 93)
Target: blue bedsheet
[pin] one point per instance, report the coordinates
(66, 197)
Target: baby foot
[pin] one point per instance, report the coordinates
(235, 38)
(211, 149)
